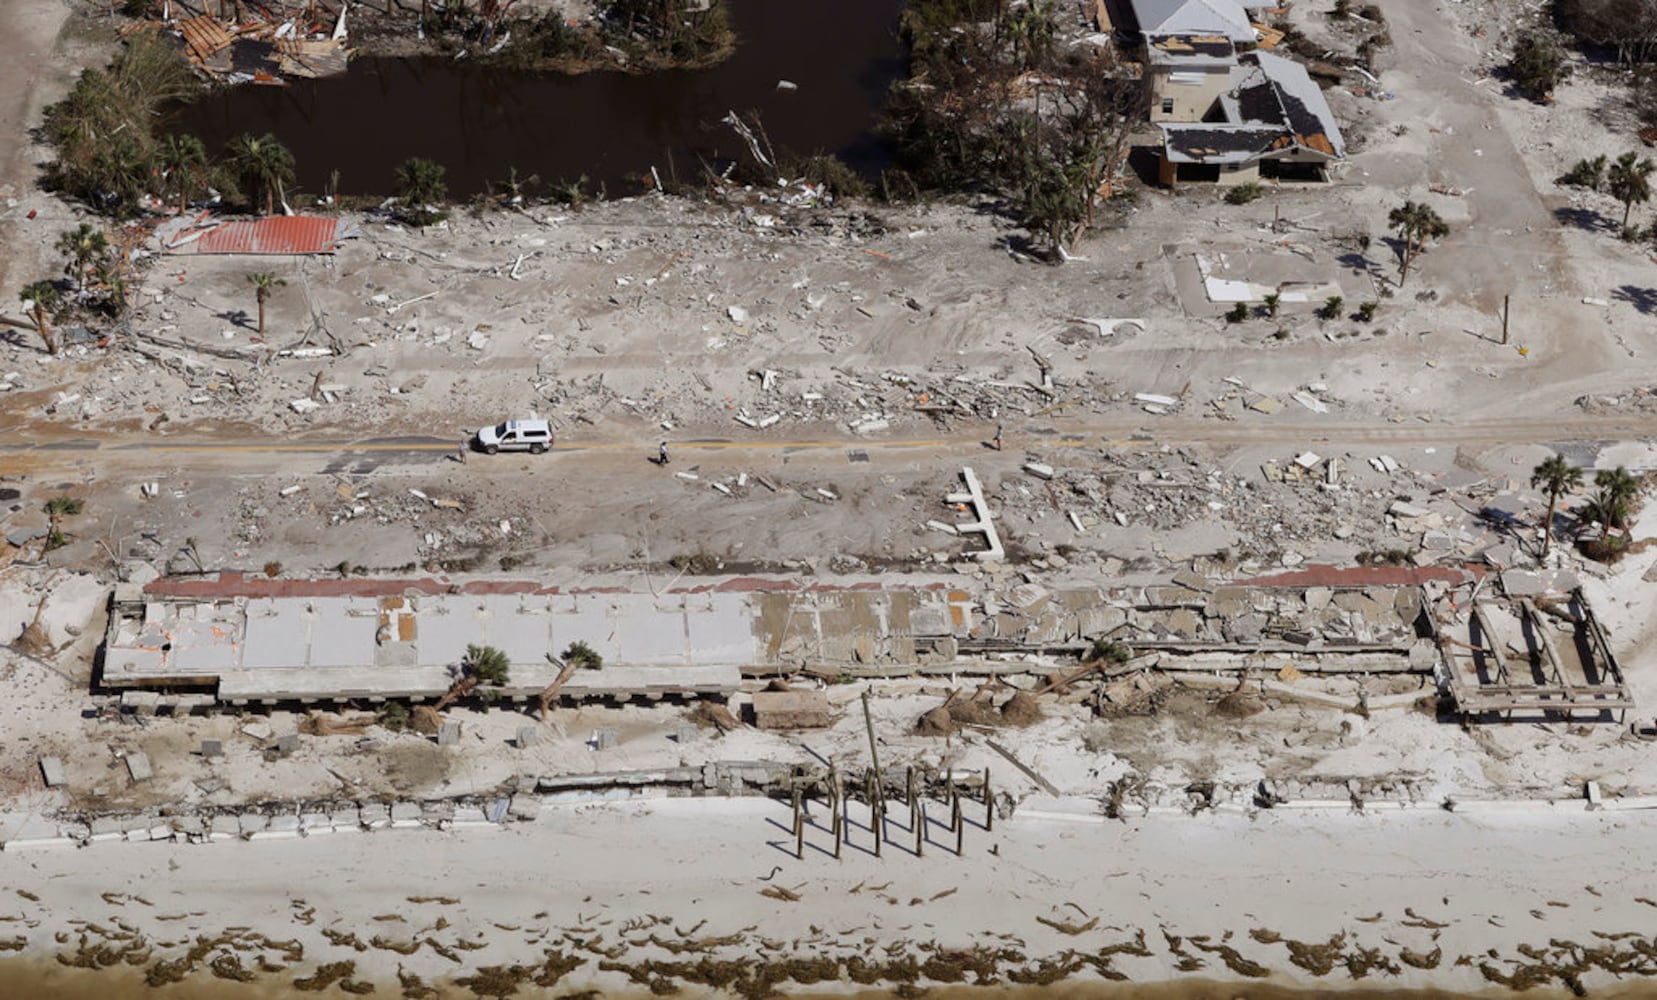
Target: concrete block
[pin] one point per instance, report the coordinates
(374, 816)
(605, 739)
(685, 733)
(287, 743)
(51, 771)
(528, 736)
(469, 816)
(448, 734)
(315, 824)
(224, 825)
(792, 710)
(250, 823)
(404, 815)
(524, 808)
(212, 748)
(138, 766)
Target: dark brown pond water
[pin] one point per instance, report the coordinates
(612, 127)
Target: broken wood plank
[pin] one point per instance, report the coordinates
(1046, 786)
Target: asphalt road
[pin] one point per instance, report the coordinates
(1130, 433)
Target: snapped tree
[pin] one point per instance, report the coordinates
(42, 299)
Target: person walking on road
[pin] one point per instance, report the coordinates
(661, 454)
(997, 438)
(460, 453)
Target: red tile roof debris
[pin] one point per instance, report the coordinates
(289, 234)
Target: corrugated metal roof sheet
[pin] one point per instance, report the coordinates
(290, 234)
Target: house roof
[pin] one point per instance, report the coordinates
(1219, 142)
(1273, 109)
(1300, 104)
(1190, 50)
(281, 234)
(1173, 17)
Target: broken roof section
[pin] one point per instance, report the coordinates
(278, 235)
(1273, 90)
(1194, 17)
(1190, 50)
(1273, 111)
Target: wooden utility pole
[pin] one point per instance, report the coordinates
(1504, 319)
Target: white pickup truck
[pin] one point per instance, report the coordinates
(533, 436)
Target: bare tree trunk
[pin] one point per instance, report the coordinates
(461, 689)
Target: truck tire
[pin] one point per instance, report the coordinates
(490, 449)
(536, 449)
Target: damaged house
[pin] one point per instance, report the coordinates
(1229, 112)
(1190, 49)
(1272, 120)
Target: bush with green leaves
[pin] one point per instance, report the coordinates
(1238, 313)
(1331, 308)
(1242, 194)
(1586, 173)
(1366, 311)
(1538, 65)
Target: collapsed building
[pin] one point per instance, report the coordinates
(1414, 637)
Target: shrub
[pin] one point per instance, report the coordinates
(1331, 308)
(273, 568)
(1242, 194)
(1272, 302)
(1538, 66)
(1366, 311)
(63, 506)
(1238, 313)
(1586, 173)
(393, 716)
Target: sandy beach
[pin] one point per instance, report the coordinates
(644, 895)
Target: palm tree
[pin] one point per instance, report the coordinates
(420, 184)
(42, 298)
(1030, 30)
(264, 166)
(1628, 182)
(263, 282)
(1416, 223)
(1614, 492)
(81, 246)
(1558, 477)
(183, 159)
(480, 665)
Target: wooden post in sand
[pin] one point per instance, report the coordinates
(920, 830)
(989, 803)
(869, 721)
(960, 824)
(836, 800)
(799, 840)
(871, 787)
